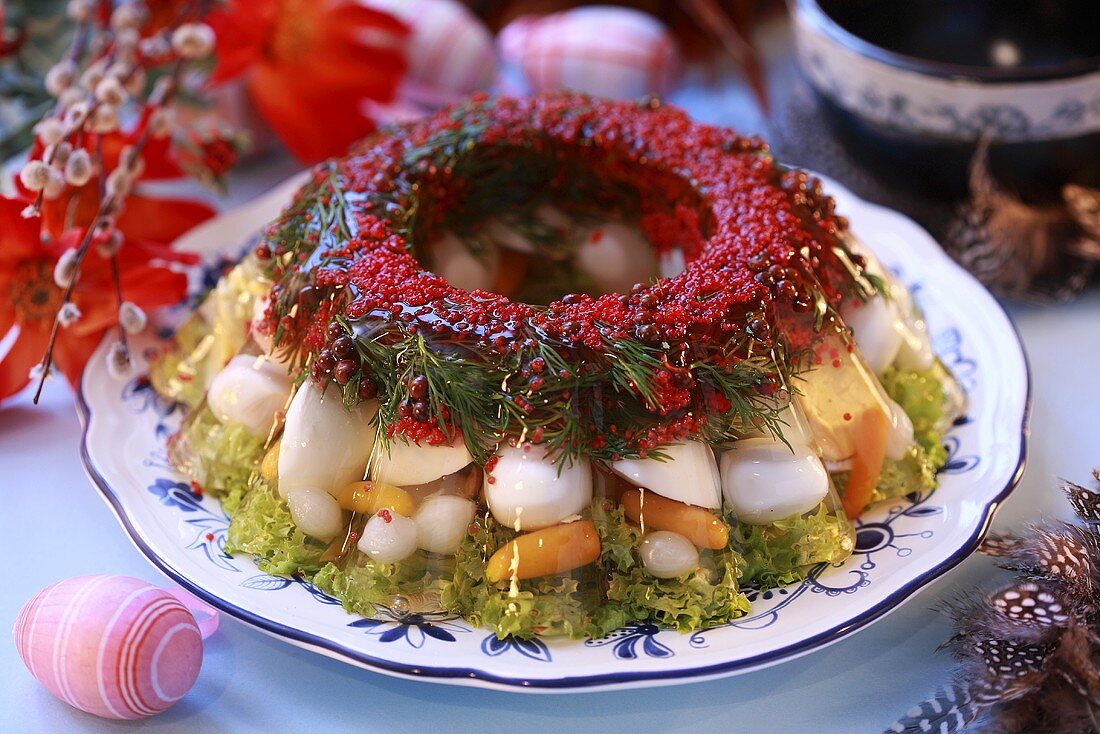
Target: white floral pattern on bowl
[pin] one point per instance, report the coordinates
(901, 545)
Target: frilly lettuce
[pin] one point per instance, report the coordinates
(262, 527)
(922, 396)
(706, 597)
(915, 472)
(364, 583)
(220, 458)
(785, 551)
(224, 460)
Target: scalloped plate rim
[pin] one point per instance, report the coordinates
(473, 676)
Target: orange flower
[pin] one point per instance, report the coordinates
(29, 298)
(308, 66)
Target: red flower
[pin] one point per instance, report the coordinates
(29, 298)
(207, 153)
(309, 64)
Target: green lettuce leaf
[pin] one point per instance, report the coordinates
(706, 597)
(220, 458)
(785, 551)
(915, 472)
(365, 583)
(923, 398)
(261, 526)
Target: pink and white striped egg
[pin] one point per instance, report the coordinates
(113, 646)
(602, 50)
(450, 52)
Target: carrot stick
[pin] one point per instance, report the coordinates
(869, 437)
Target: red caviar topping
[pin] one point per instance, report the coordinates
(757, 240)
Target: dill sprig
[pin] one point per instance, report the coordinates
(583, 402)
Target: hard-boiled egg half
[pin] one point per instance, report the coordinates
(451, 258)
(405, 464)
(916, 346)
(324, 444)
(763, 480)
(615, 256)
(900, 434)
(687, 473)
(525, 490)
(249, 391)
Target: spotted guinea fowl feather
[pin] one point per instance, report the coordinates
(1030, 604)
(1067, 554)
(1001, 546)
(950, 710)
(1028, 652)
(1060, 551)
(1085, 502)
(1010, 658)
(1084, 206)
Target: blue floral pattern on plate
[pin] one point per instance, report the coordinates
(413, 628)
(535, 649)
(208, 525)
(628, 642)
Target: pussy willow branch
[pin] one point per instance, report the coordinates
(107, 205)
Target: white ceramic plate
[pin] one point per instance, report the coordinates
(902, 545)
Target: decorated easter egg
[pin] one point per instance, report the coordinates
(449, 51)
(603, 50)
(113, 646)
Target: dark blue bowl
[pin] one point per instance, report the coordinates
(911, 87)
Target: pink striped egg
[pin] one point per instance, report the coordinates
(603, 50)
(114, 646)
(450, 52)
